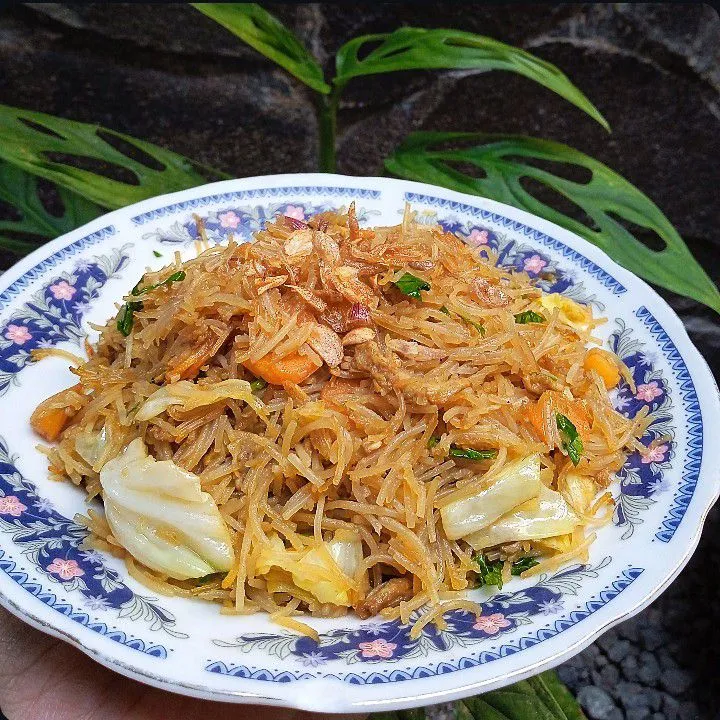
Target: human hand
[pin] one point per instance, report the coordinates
(42, 678)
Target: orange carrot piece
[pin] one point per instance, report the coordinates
(52, 415)
(293, 368)
(574, 410)
(188, 366)
(603, 364)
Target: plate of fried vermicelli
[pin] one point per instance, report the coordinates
(395, 441)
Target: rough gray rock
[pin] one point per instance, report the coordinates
(649, 670)
(596, 703)
(675, 681)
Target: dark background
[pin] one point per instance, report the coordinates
(167, 74)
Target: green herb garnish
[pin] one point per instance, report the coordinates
(444, 310)
(126, 320)
(523, 564)
(571, 441)
(411, 286)
(489, 573)
(470, 454)
(433, 441)
(529, 316)
(175, 277)
(157, 254)
(257, 384)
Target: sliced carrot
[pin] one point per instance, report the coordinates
(293, 368)
(558, 403)
(187, 366)
(52, 415)
(603, 364)
(534, 415)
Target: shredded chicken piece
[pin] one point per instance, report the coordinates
(385, 595)
(490, 295)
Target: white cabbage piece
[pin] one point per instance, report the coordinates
(159, 514)
(546, 516)
(517, 482)
(91, 444)
(327, 571)
(192, 396)
(579, 491)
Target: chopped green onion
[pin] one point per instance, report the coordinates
(523, 564)
(175, 277)
(411, 286)
(444, 310)
(489, 573)
(126, 320)
(529, 316)
(257, 384)
(433, 441)
(571, 440)
(157, 254)
(470, 454)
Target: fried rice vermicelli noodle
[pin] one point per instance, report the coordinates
(331, 419)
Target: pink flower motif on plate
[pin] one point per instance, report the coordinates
(10, 505)
(63, 290)
(377, 648)
(534, 264)
(653, 454)
(295, 211)
(19, 334)
(491, 624)
(478, 237)
(65, 569)
(229, 219)
(648, 391)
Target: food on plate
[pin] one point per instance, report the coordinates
(331, 419)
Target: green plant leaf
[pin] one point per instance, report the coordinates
(264, 32)
(542, 697)
(415, 714)
(56, 149)
(36, 224)
(421, 49)
(607, 198)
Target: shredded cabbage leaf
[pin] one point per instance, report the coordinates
(192, 396)
(517, 482)
(544, 516)
(159, 514)
(327, 571)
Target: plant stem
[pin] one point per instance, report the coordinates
(327, 129)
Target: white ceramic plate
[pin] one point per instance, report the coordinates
(186, 646)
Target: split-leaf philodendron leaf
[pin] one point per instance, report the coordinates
(503, 161)
(57, 149)
(35, 224)
(438, 49)
(264, 32)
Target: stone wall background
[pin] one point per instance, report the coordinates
(170, 75)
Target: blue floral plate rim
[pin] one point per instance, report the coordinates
(388, 687)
